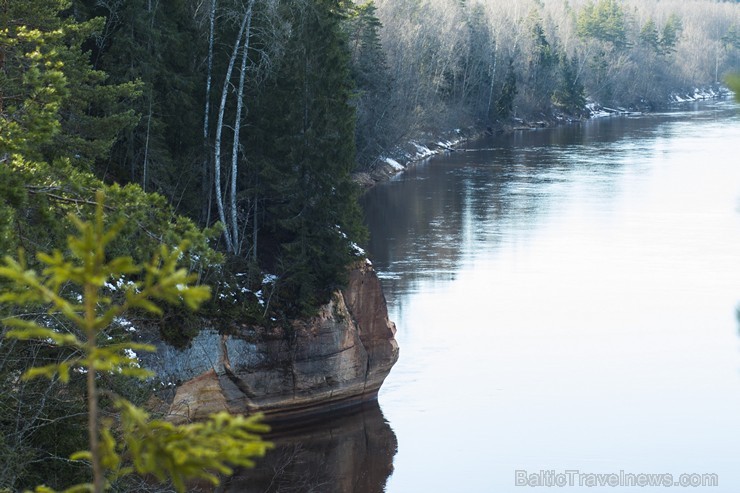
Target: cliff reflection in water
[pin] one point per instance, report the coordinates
(350, 453)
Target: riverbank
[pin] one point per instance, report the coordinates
(426, 145)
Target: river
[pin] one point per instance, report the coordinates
(566, 301)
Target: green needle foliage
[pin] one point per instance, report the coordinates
(144, 446)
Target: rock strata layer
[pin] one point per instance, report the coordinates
(334, 360)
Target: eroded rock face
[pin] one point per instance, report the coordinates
(337, 359)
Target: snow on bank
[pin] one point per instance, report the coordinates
(422, 152)
(699, 95)
(394, 164)
(399, 158)
(595, 110)
(402, 156)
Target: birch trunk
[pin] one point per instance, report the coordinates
(237, 129)
(205, 168)
(219, 134)
(492, 72)
(145, 173)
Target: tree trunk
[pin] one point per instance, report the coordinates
(205, 168)
(145, 171)
(219, 132)
(92, 392)
(254, 230)
(493, 79)
(237, 129)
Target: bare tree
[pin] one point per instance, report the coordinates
(237, 129)
(232, 242)
(205, 169)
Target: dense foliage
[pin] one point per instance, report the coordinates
(68, 128)
(74, 290)
(250, 124)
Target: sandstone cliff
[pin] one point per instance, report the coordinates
(334, 360)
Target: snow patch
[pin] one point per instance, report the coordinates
(422, 151)
(596, 111)
(118, 284)
(357, 249)
(125, 324)
(394, 164)
(131, 354)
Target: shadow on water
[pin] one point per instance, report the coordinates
(348, 453)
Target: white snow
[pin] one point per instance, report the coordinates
(394, 164)
(357, 249)
(596, 111)
(131, 354)
(125, 324)
(422, 151)
(120, 283)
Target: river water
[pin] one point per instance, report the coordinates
(565, 301)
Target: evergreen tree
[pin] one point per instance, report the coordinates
(32, 83)
(158, 45)
(371, 79)
(605, 20)
(56, 117)
(669, 35)
(733, 82)
(305, 138)
(505, 102)
(542, 69)
(48, 140)
(649, 36)
(570, 96)
(79, 327)
(47, 76)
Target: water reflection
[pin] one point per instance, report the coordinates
(565, 299)
(351, 453)
(424, 222)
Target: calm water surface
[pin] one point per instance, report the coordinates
(565, 300)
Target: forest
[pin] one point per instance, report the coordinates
(237, 125)
(479, 63)
(253, 115)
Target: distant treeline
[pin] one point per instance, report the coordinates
(451, 63)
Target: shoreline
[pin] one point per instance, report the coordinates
(419, 149)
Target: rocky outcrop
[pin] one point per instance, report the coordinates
(334, 360)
